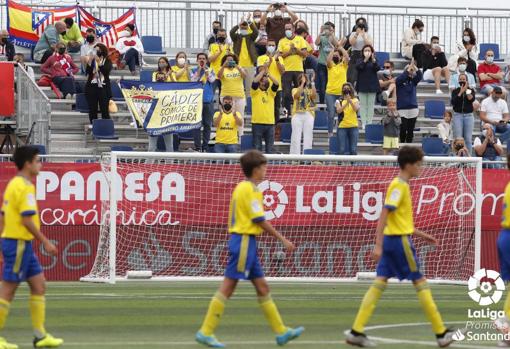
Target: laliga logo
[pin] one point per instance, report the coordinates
(275, 207)
(486, 287)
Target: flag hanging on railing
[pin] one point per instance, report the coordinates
(26, 24)
(107, 32)
(164, 107)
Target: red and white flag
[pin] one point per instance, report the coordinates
(42, 18)
(107, 32)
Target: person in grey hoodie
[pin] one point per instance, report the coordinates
(391, 123)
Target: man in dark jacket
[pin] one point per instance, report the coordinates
(244, 48)
(6, 48)
(435, 64)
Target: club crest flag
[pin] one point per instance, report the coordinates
(107, 32)
(163, 108)
(26, 24)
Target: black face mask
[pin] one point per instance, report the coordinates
(4, 40)
(221, 39)
(62, 50)
(227, 107)
(346, 92)
(300, 31)
(99, 53)
(90, 39)
(336, 60)
(215, 31)
(63, 33)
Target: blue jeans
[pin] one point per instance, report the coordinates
(132, 58)
(504, 131)
(207, 118)
(463, 127)
(266, 132)
(493, 165)
(330, 104)
(321, 81)
(225, 148)
(348, 140)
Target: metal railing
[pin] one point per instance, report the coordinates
(33, 111)
(185, 24)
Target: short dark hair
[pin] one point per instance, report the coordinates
(409, 156)
(216, 22)
(418, 24)
(392, 65)
(103, 49)
(69, 21)
(201, 54)
(223, 30)
(90, 30)
(331, 24)
(24, 154)
(434, 38)
(251, 160)
(461, 60)
(131, 26)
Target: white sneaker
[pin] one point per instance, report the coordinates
(385, 95)
(503, 344)
(451, 336)
(439, 92)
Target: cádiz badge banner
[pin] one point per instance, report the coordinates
(163, 108)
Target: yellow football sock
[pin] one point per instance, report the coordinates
(368, 304)
(4, 311)
(272, 314)
(507, 303)
(214, 313)
(38, 313)
(429, 307)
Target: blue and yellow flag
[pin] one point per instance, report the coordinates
(163, 108)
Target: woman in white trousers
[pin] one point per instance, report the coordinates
(303, 114)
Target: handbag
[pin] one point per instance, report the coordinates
(45, 80)
(112, 107)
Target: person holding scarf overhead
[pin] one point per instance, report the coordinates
(98, 88)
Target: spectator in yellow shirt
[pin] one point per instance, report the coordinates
(293, 50)
(163, 73)
(181, 69)
(72, 36)
(303, 113)
(276, 70)
(337, 64)
(227, 122)
(217, 51)
(347, 108)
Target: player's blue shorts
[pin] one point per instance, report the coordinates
(243, 260)
(504, 254)
(399, 258)
(20, 261)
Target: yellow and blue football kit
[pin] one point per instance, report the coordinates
(504, 238)
(399, 256)
(246, 210)
(399, 260)
(20, 261)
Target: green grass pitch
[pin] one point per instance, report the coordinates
(167, 315)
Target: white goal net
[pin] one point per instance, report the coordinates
(171, 214)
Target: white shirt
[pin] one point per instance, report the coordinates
(494, 110)
(445, 132)
(87, 49)
(125, 43)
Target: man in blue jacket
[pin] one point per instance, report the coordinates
(407, 101)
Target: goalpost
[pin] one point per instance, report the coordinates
(171, 212)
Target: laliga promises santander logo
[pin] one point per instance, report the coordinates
(481, 287)
(274, 197)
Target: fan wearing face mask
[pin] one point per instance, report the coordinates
(98, 88)
(131, 48)
(489, 147)
(275, 18)
(435, 64)
(490, 75)
(357, 41)
(462, 66)
(243, 38)
(413, 45)
(494, 112)
(337, 76)
(211, 38)
(367, 84)
(463, 100)
(466, 48)
(45, 47)
(61, 68)
(7, 50)
(88, 47)
(276, 69)
(227, 122)
(181, 69)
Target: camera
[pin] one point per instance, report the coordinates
(459, 146)
(232, 64)
(279, 5)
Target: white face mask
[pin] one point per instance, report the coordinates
(462, 67)
(181, 61)
(417, 32)
(288, 33)
(256, 20)
(436, 46)
(386, 72)
(270, 49)
(466, 38)
(243, 32)
(484, 133)
(489, 59)
(277, 13)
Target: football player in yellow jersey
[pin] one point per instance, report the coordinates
(19, 224)
(395, 253)
(503, 324)
(247, 221)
